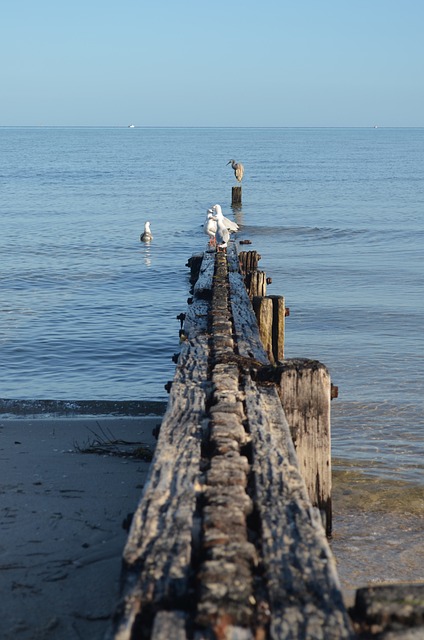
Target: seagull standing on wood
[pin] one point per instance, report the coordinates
(238, 169)
(230, 224)
(210, 226)
(147, 235)
(224, 227)
(222, 235)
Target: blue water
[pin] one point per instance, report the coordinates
(88, 313)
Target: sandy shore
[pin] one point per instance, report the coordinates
(62, 511)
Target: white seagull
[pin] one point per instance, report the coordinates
(147, 235)
(230, 224)
(222, 234)
(210, 226)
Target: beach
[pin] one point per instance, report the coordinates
(62, 517)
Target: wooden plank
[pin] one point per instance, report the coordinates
(170, 625)
(305, 390)
(263, 309)
(246, 328)
(278, 327)
(392, 611)
(158, 553)
(204, 283)
(304, 593)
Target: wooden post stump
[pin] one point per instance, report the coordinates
(262, 307)
(305, 392)
(255, 282)
(236, 195)
(248, 261)
(270, 314)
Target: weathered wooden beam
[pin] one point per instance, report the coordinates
(270, 314)
(305, 599)
(392, 611)
(225, 542)
(248, 261)
(279, 313)
(304, 387)
(263, 309)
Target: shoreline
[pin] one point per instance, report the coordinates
(62, 516)
(63, 510)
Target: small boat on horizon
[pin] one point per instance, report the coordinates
(131, 126)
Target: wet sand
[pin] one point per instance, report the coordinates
(61, 524)
(62, 511)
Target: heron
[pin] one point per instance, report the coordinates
(147, 235)
(238, 169)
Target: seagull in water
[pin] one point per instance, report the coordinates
(238, 169)
(210, 226)
(147, 235)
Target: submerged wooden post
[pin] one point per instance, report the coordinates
(305, 392)
(236, 195)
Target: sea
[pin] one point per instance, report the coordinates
(89, 313)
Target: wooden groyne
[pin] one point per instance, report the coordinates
(229, 539)
(226, 541)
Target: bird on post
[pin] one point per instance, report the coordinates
(238, 169)
(147, 235)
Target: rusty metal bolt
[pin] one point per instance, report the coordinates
(334, 391)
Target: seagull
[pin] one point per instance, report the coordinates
(222, 234)
(230, 224)
(238, 169)
(210, 226)
(146, 236)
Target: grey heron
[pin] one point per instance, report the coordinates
(147, 235)
(238, 169)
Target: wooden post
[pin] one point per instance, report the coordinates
(305, 392)
(248, 261)
(270, 314)
(255, 282)
(236, 195)
(262, 307)
(278, 326)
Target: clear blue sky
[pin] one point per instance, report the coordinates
(221, 63)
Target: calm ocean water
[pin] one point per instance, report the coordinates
(89, 313)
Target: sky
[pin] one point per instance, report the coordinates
(257, 63)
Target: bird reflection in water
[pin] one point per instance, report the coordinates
(147, 259)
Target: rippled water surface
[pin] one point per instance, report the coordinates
(89, 313)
